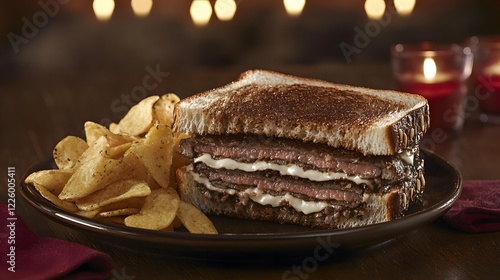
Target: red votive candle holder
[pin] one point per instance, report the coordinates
(486, 72)
(437, 72)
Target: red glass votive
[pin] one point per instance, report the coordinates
(437, 72)
(486, 73)
(487, 92)
(446, 99)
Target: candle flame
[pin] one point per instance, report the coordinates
(294, 7)
(103, 9)
(225, 9)
(201, 11)
(404, 7)
(142, 7)
(375, 9)
(430, 68)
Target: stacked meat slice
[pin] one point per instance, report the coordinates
(304, 177)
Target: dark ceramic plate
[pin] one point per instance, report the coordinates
(243, 239)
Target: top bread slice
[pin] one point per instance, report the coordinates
(370, 121)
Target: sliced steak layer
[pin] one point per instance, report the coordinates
(273, 184)
(247, 148)
(332, 216)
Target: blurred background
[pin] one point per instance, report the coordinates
(82, 36)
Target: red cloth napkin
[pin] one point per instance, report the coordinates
(478, 207)
(46, 258)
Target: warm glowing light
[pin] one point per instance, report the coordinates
(430, 69)
(103, 9)
(142, 7)
(375, 9)
(404, 7)
(200, 11)
(294, 7)
(225, 9)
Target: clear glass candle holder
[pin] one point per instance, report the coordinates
(437, 72)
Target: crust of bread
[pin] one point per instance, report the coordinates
(373, 122)
(380, 208)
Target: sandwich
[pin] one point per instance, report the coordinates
(287, 149)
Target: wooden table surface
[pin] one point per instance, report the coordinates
(38, 109)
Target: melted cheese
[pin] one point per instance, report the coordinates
(261, 198)
(289, 169)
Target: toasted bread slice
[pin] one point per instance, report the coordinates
(373, 122)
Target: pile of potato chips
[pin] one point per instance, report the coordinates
(124, 174)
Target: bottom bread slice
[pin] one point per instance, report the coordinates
(377, 207)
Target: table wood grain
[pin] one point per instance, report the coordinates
(38, 109)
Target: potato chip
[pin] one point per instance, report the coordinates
(133, 202)
(194, 220)
(96, 150)
(124, 174)
(139, 170)
(92, 175)
(53, 180)
(94, 131)
(163, 109)
(119, 190)
(88, 214)
(117, 151)
(113, 127)
(65, 205)
(153, 185)
(119, 212)
(68, 150)
(158, 212)
(138, 119)
(155, 153)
